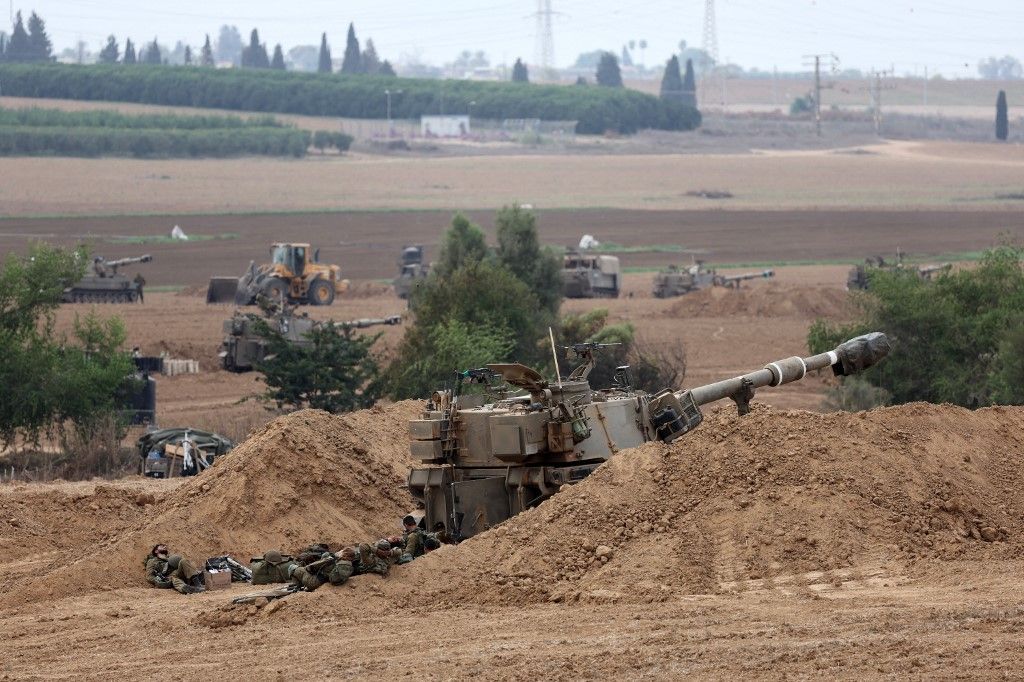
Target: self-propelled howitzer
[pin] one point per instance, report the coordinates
(486, 462)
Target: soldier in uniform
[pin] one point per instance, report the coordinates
(272, 567)
(311, 553)
(166, 570)
(442, 534)
(330, 568)
(413, 538)
(430, 544)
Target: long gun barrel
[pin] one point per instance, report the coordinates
(676, 413)
(734, 280)
(115, 264)
(369, 322)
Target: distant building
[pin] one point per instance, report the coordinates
(444, 126)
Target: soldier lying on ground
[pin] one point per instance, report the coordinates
(311, 553)
(329, 568)
(430, 544)
(167, 570)
(272, 567)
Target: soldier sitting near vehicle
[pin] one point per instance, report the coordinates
(412, 540)
(272, 567)
(165, 570)
(442, 534)
(430, 544)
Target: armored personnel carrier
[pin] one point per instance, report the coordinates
(243, 347)
(104, 284)
(411, 270)
(590, 275)
(677, 281)
(484, 462)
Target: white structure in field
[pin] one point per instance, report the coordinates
(444, 126)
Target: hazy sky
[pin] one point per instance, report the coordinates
(948, 36)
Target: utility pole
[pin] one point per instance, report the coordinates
(926, 85)
(545, 56)
(818, 58)
(876, 87)
(709, 46)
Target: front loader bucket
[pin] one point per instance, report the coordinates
(222, 290)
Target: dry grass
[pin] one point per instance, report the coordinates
(899, 175)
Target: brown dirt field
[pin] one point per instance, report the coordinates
(781, 544)
(367, 244)
(894, 175)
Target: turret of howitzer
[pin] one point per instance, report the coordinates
(486, 462)
(102, 283)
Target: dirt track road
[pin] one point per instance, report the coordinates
(367, 244)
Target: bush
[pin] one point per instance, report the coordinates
(956, 339)
(597, 110)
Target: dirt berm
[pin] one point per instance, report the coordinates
(770, 499)
(305, 477)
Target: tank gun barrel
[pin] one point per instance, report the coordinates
(748, 275)
(850, 357)
(128, 261)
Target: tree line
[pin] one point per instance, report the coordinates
(597, 110)
(107, 133)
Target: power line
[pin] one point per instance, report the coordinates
(545, 37)
(834, 63)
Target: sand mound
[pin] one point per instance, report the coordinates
(789, 497)
(761, 299)
(304, 477)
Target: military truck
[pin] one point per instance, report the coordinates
(293, 275)
(104, 284)
(859, 277)
(590, 275)
(677, 281)
(411, 270)
(243, 347)
(487, 457)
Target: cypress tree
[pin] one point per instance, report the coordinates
(254, 56)
(689, 85)
(370, 59)
(3, 45)
(520, 74)
(206, 56)
(188, 56)
(40, 46)
(325, 56)
(608, 73)
(672, 81)
(1002, 117)
(352, 63)
(129, 52)
(386, 69)
(580, 80)
(110, 52)
(152, 54)
(627, 60)
(18, 49)
(277, 62)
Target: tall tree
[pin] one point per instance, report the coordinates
(519, 72)
(1002, 117)
(627, 60)
(229, 45)
(370, 59)
(689, 85)
(3, 45)
(324, 65)
(129, 52)
(152, 54)
(672, 81)
(277, 62)
(110, 52)
(18, 49)
(187, 59)
(254, 56)
(39, 43)
(352, 63)
(608, 73)
(206, 56)
(520, 251)
(386, 69)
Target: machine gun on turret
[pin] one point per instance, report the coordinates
(488, 462)
(104, 284)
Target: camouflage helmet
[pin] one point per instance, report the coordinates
(272, 556)
(347, 554)
(173, 561)
(384, 545)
